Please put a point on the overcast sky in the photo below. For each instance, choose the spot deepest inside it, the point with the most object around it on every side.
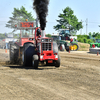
(83, 9)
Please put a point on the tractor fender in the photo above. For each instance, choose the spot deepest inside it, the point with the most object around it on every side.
(28, 43)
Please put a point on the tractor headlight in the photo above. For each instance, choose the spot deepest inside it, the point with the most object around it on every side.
(50, 40)
(42, 40)
(56, 56)
(41, 57)
(46, 40)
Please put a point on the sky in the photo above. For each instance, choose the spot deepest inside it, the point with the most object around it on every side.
(83, 9)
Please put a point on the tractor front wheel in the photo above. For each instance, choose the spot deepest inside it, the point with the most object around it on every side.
(76, 47)
(55, 47)
(57, 62)
(35, 61)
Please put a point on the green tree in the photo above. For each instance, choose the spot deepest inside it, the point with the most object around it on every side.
(48, 35)
(96, 35)
(2, 36)
(18, 16)
(90, 41)
(68, 20)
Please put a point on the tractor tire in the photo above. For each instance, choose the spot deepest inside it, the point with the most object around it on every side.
(55, 47)
(28, 51)
(62, 47)
(57, 62)
(67, 48)
(75, 46)
(16, 56)
(35, 61)
(14, 52)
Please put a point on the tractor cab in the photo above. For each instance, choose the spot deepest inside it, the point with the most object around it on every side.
(64, 34)
(26, 32)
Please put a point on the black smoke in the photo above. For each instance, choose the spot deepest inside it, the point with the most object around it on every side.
(41, 7)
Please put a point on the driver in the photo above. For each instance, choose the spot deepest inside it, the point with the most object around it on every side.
(38, 32)
(26, 35)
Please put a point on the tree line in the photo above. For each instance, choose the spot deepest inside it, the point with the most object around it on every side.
(90, 38)
(65, 20)
(3, 35)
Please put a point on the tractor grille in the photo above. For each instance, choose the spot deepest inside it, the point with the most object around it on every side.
(46, 46)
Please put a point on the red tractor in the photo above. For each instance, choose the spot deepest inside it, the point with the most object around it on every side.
(34, 47)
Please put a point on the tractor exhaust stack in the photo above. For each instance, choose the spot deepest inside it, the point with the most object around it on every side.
(43, 33)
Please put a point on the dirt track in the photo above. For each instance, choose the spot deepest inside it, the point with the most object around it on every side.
(78, 78)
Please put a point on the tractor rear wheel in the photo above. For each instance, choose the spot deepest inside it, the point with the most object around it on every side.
(14, 52)
(35, 61)
(28, 51)
(57, 62)
(67, 48)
